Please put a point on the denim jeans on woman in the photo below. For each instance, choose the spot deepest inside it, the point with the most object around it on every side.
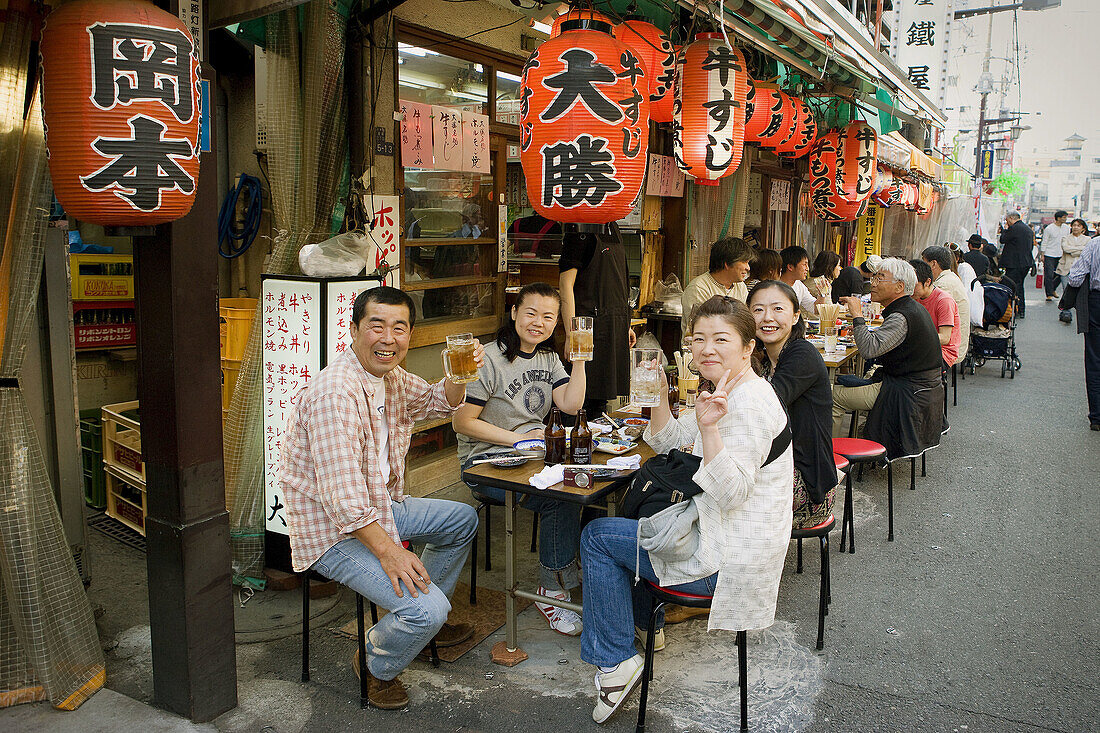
(613, 606)
(446, 528)
(559, 534)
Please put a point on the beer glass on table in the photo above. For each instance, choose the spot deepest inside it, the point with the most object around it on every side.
(646, 377)
(458, 358)
(581, 340)
(830, 339)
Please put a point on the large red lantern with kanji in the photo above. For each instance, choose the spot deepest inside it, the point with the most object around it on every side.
(805, 131)
(584, 125)
(709, 126)
(856, 161)
(827, 203)
(761, 101)
(582, 14)
(781, 123)
(120, 101)
(652, 46)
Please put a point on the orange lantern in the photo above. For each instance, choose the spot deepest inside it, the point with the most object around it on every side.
(120, 99)
(650, 44)
(827, 204)
(708, 132)
(761, 102)
(585, 14)
(584, 125)
(856, 160)
(781, 127)
(805, 131)
(892, 194)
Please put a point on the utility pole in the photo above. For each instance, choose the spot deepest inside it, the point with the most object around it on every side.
(984, 88)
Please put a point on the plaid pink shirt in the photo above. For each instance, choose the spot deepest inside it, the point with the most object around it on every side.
(330, 470)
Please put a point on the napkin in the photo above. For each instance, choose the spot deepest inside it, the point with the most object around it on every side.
(547, 477)
(628, 463)
(598, 428)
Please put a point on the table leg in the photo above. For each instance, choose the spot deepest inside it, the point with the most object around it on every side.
(508, 652)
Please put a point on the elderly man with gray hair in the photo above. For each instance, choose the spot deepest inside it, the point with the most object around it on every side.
(905, 396)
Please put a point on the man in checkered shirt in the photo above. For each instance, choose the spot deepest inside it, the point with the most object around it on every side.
(343, 475)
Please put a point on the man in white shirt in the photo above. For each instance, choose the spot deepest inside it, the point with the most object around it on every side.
(1051, 249)
(729, 266)
(796, 268)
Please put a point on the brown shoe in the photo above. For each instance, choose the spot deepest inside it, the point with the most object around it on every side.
(675, 614)
(382, 694)
(453, 634)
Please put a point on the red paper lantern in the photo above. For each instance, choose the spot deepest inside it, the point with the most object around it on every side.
(584, 126)
(781, 127)
(650, 44)
(120, 100)
(827, 203)
(761, 102)
(893, 194)
(856, 161)
(584, 14)
(805, 131)
(708, 132)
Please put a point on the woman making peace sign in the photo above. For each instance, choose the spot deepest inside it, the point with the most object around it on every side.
(744, 510)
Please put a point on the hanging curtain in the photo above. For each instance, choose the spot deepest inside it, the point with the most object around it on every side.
(49, 649)
(307, 145)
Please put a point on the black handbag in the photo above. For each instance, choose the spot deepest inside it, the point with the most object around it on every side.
(667, 479)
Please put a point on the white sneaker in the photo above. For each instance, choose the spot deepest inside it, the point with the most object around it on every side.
(613, 687)
(561, 620)
(658, 638)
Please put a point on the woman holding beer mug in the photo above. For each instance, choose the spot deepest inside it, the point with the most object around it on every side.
(743, 510)
(521, 380)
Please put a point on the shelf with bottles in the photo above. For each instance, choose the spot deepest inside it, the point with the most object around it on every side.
(108, 324)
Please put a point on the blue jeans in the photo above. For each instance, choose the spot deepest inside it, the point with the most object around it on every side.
(612, 605)
(446, 528)
(559, 535)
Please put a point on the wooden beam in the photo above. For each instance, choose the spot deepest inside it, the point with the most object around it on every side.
(227, 12)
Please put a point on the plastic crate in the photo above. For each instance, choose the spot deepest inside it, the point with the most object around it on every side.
(102, 277)
(122, 440)
(91, 450)
(231, 369)
(126, 500)
(104, 324)
(236, 316)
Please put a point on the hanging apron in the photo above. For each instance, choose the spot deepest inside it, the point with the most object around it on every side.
(601, 291)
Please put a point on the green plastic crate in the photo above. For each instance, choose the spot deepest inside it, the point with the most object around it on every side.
(91, 449)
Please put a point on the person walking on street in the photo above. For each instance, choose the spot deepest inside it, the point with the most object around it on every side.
(1050, 247)
(1016, 259)
(1072, 247)
(975, 256)
(1085, 274)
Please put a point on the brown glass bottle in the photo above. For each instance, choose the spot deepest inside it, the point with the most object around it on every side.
(580, 441)
(673, 392)
(555, 439)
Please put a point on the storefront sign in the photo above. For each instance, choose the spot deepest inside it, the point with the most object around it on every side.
(664, 177)
(190, 12)
(921, 42)
(985, 168)
(780, 198)
(385, 234)
(447, 134)
(869, 234)
(502, 238)
(475, 142)
(416, 135)
(708, 128)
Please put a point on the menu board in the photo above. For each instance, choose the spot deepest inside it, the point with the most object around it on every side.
(755, 201)
(447, 131)
(664, 177)
(475, 142)
(385, 235)
(416, 135)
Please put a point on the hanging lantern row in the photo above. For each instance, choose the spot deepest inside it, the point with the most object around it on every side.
(779, 122)
(120, 101)
(584, 124)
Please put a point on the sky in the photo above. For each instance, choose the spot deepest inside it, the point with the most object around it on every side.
(1059, 62)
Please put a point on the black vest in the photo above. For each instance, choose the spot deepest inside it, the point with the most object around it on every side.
(920, 351)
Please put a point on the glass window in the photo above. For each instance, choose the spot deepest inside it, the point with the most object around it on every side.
(508, 97)
(448, 204)
(427, 76)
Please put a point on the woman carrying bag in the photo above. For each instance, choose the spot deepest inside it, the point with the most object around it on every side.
(1072, 247)
(731, 537)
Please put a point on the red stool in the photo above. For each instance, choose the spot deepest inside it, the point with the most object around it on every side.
(660, 597)
(860, 451)
(825, 597)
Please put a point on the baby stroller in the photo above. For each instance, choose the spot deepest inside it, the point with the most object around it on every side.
(997, 338)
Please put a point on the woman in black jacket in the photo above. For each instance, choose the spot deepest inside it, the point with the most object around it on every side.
(798, 374)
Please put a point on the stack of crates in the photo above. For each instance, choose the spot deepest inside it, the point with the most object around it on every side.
(91, 450)
(236, 316)
(124, 465)
(103, 301)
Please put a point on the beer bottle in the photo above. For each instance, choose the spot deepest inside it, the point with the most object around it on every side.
(673, 391)
(555, 439)
(580, 441)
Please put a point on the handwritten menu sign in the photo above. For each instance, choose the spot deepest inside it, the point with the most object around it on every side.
(475, 157)
(780, 196)
(385, 234)
(339, 298)
(664, 177)
(291, 332)
(416, 135)
(502, 238)
(447, 132)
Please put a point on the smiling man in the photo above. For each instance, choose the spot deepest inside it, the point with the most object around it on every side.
(729, 266)
(343, 474)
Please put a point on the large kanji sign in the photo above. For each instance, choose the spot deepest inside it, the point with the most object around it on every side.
(584, 125)
(121, 105)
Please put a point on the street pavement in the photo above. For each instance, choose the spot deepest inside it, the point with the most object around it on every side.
(980, 616)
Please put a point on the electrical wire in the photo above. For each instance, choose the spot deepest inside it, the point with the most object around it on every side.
(227, 235)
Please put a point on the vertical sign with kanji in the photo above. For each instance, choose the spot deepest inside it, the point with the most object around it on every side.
(920, 44)
(447, 134)
(190, 12)
(416, 135)
(869, 233)
(339, 298)
(384, 232)
(291, 316)
(475, 144)
(502, 238)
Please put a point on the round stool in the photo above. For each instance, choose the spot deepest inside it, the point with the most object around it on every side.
(860, 451)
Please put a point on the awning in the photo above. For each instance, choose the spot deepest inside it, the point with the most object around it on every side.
(918, 161)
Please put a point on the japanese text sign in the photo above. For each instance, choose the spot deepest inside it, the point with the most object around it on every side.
(664, 177)
(416, 135)
(869, 234)
(475, 142)
(384, 231)
(447, 138)
(921, 41)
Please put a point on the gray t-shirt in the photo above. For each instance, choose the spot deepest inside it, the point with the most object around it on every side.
(514, 395)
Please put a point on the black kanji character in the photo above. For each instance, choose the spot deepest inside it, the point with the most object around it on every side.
(919, 76)
(632, 106)
(132, 62)
(635, 135)
(578, 171)
(142, 165)
(921, 33)
(716, 145)
(276, 505)
(631, 68)
(721, 109)
(724, 61)
(578, 82)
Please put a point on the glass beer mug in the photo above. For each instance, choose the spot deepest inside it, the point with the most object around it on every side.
(458, 358)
